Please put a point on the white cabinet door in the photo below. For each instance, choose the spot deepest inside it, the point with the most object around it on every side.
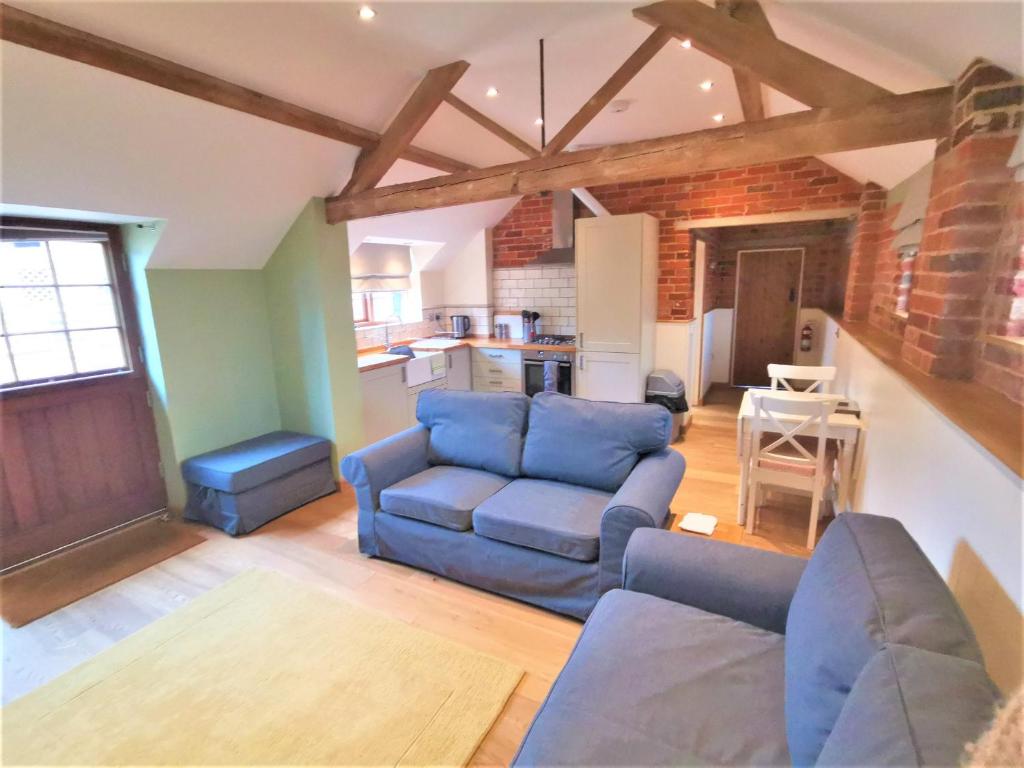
(460, 369)
(384, 402)
(609, 376)
(413, 398)
(609, 261)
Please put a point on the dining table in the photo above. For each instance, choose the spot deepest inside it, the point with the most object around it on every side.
(844, 426)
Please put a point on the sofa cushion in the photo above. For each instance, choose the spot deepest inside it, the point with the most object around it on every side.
(442, 495)
(652, 682)
(552, 517)
(254, 462)
(911, 707)
(868, 584)
(591, 443)
(483, 430)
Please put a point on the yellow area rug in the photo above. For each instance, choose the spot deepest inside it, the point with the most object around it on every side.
(265, 670)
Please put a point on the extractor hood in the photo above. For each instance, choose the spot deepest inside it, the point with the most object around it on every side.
(563, 222)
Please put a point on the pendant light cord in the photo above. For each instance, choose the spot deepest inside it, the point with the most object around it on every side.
(543, 121)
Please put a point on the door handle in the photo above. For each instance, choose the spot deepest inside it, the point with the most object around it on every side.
(792, 295)
(403, 374)
(581, 339)
(449, 360)
(581, 362)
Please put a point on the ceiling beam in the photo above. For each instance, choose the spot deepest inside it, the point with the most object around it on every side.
(403, 129)
(636, 61)
(893, 119)
(27, 29)
(784, 67)
(747, 86)
(498, 130)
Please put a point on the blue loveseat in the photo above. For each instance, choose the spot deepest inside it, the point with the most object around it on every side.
(533, 499)
(714, 654)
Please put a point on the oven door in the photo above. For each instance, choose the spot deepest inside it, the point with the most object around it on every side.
(533, 377)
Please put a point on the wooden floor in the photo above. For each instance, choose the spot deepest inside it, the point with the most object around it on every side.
(318, 544)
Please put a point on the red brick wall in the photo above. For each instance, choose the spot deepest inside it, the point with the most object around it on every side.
(860, 279)
(887, 275)
(795, 185)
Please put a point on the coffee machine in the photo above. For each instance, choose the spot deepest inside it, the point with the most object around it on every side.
(460, 326)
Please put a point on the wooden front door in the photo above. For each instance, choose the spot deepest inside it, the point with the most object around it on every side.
(767, 305)
(77, 431)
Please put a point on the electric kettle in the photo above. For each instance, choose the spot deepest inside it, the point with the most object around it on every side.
(460, 326)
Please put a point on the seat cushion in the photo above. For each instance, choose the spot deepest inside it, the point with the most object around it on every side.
(911, 707)
(652, 682)
(254, 462)
(552, 517)
(867, 585)
(591, 443)
(442, 495)
(482, 430)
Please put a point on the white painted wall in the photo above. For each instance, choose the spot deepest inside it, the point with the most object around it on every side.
(918, 467)
(720, 336)
(467, 277)
(672, 349)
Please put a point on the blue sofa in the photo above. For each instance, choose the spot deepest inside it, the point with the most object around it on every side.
(714, 654)
(533, 499)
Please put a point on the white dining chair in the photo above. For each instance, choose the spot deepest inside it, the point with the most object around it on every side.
(819, 375)
(780, 459)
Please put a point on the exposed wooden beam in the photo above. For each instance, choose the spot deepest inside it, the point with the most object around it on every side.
(497, 129)
(636, 61)
(27, 29)
(403, 129)
(881, 122)
(784, 67)
(747, 86)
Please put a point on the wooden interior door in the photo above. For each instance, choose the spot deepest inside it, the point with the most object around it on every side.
(767, 306)
(80, 451)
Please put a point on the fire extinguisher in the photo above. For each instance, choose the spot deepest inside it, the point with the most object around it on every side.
(806, 337)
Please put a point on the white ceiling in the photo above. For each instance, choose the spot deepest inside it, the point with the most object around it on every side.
(229, 184)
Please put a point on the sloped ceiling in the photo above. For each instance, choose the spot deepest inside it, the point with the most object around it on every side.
(229, 185)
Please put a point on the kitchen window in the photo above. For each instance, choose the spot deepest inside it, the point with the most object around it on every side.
(60, 313)
(378, 307)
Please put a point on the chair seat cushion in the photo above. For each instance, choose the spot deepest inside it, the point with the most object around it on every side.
(653, 682)
(442, 495)
(541, 514)
(254, 462)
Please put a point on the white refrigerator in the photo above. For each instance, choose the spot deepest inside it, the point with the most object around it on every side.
(616, 305)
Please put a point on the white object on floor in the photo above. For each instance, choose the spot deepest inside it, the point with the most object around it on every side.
(695, 522)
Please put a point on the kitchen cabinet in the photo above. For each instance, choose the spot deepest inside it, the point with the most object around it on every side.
(413, 397)
(609, 376)
(385, 402)
(497, 370)
(617, 303)
(460, 369)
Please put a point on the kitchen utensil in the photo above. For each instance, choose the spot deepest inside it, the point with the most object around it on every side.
(460, 326)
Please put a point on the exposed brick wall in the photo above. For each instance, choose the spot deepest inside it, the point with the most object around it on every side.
(824, 244)
(887, 274)
(970, 199)
(860, 278)
(795, 185)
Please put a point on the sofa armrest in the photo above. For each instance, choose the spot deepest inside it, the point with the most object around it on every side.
(642, 502)
(372, 469)
(745, 584)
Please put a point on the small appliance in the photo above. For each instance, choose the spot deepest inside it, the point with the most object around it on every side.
(460, 326)
(560, 367)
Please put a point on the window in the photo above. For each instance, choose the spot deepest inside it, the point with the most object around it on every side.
(906, 279)
(378, 307)
(60, 317)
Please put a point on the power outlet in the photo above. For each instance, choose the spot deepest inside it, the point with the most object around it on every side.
(437, 317)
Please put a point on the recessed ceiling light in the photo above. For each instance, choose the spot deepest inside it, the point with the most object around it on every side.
(707, 85)
(492, 92)
(366, 13)
(718, 118)
(538, 121)
(686, 43)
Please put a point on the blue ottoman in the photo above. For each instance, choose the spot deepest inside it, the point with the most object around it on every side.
(243, 486)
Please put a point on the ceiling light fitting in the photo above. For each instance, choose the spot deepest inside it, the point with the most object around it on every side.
(366, 13)
(707, 85)
(492, 92)
(686, 43)
(718, 118)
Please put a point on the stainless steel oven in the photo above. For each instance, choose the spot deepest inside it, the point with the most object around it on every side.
(533, 371)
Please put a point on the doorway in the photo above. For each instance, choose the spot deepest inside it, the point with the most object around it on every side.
(768, 294)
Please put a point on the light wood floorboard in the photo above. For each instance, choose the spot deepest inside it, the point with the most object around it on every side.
(317, 544)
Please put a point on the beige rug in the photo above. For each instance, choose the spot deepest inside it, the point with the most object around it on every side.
(265, 670)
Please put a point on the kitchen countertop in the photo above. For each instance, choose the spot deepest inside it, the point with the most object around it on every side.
(375, 357)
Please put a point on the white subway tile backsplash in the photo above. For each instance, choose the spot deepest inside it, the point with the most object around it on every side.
(549, 289)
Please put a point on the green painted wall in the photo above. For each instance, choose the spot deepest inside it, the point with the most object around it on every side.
(310, 310)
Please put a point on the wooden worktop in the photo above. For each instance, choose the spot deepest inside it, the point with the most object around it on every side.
(372, 358)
